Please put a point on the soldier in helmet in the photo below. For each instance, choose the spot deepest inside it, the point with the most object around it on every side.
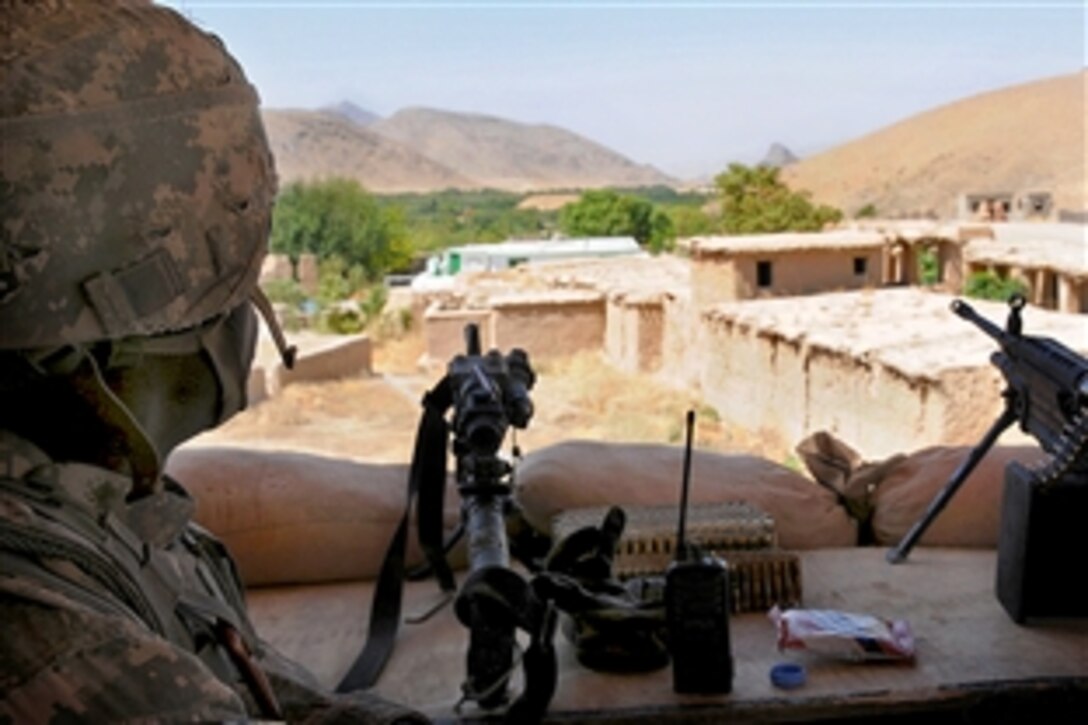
(136, 184)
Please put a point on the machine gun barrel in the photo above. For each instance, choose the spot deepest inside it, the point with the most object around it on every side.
(472, 339)
(968, 313)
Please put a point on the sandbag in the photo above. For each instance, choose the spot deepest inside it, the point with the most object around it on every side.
(581, 474)
(971, 519)
(299, 518)
(888, 496)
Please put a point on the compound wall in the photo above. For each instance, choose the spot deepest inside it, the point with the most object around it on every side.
(549, 325)
(634, 332)
(889, 373)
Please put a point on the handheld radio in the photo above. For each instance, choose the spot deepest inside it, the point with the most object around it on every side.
(697, 608)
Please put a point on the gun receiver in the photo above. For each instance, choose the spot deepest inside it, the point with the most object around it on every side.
(1047, 382)
(1046, 393)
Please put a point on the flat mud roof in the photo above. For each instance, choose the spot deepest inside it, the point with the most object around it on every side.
(910, 330)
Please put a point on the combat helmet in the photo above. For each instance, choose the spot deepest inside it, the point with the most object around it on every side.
(136, 181)
(136, 184)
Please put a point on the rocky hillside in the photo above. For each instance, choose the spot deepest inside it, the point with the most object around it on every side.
(310, 145)
(358, 116)
(778, 156)
(428, 150)
(509, 155)
(1023, 138)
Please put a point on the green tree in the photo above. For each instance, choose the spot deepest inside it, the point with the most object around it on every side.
(442, 219)
(756, 201)
(991, 286)
(690, 221)
(604, 213)
(338, 218)
(929, 272)
(336, 280)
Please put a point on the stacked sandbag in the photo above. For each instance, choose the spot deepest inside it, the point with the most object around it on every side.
(299, 518)
(587, 474)
(888, 496)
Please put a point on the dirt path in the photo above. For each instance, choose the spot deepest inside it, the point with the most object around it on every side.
(375, 418)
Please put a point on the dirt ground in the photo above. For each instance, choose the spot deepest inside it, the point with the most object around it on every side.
(374, 418)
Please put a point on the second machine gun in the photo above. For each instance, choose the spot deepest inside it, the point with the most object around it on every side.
(1043, 507)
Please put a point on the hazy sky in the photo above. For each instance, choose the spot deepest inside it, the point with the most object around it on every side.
(686, 86)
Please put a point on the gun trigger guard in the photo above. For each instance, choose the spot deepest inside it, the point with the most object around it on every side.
(440, 601)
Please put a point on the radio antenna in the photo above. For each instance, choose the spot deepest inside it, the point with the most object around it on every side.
(681, 544)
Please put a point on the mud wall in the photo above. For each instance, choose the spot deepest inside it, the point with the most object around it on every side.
(805, 272)
(788, 388)
(952, 264)
(713, 280)
(549, 326)
(338, 357)
(682, 348)
(634, 330)
(728, 277)
(444, 331)
(755, 381)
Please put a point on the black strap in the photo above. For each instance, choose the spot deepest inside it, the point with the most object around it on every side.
(429, 459)
(427, 478)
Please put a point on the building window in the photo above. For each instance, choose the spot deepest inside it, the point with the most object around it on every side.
(763, 274)
(861, 266)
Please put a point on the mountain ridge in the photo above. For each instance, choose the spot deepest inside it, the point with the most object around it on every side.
(356, 114)
(514, 155)
(312, 145)
(423, 149)
(1025, 137)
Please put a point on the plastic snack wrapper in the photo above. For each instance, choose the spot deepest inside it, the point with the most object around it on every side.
(858, 637)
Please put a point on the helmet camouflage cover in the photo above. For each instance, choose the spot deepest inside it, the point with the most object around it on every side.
(136, 179)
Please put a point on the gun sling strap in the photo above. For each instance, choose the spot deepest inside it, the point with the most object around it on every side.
(427, 481)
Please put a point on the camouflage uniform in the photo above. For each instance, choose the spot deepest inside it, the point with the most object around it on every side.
(136, 186)
(114, 611)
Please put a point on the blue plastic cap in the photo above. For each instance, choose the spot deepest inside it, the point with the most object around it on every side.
(788, 675)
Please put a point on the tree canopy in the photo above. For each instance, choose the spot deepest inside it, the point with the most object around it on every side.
(338, 218)
(605, 213)
(441, 219)
(756, 201)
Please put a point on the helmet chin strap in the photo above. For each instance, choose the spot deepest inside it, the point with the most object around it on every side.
(227, 344)
(230, 345)
(287, 352)
(134, 444)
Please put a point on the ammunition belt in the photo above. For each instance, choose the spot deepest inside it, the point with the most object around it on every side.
(761, 575)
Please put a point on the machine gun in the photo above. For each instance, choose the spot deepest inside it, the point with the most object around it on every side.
(488, 393)
(1047, 394)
